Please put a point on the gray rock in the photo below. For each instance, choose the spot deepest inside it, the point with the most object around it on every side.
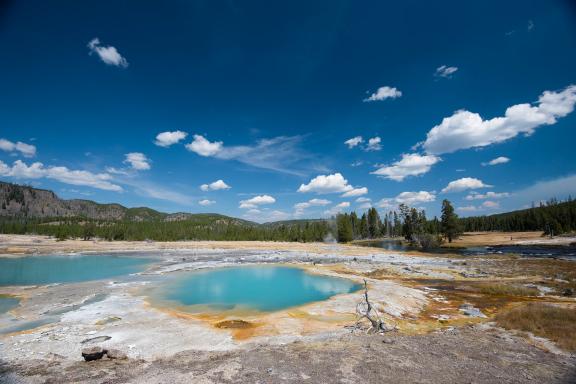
(116, 354)
(470, 310)
(93, 353)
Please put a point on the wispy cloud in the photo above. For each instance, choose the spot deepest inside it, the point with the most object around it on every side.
(281, 153)
(445, 71)
(26, 150)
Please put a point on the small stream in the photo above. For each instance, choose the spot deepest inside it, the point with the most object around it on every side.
(567, 252)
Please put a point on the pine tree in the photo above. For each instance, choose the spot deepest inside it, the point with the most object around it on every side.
(449, 224)
(373, 223)
(344, 228)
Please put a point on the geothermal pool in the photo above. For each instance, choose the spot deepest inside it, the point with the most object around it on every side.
(35, 270)
(260, 288)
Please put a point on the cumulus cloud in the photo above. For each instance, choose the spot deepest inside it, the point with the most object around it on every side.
(338, 208)
(108, 54)
(204, 147)
(487, 195)
(335, 183)
(415, 197)
(299, 208)
(206, 202)
(496, 161)
(491, 204)
(409, 198)
(37, 170)
(166, 139)
(137, 161)
(466, 129)
(464, 184)
(374, 144)
(445, 71)
(254, 202)
(353, 142)
(266, 215)
(215, 186)
(27, 150)
(281, 153)
(484, 206)
(412, 164)
(356, 192)
(384, 93)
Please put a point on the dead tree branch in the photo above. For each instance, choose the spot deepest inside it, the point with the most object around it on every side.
(365, 310)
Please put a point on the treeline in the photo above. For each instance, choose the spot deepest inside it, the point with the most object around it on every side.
(79, 228)
(552, 217)
(408, 222)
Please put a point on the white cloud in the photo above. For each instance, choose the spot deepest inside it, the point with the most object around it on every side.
(166, 139)
(108, 54)
(27, 150)
(203, 147)
(299, 208)
(384, 93)
(281, 153)
(374, 144)
(312, 203)
(412, 164)
(137, 161)
(266, 216)
(445, 71)
(21, 170)
(335, 183)
(487, 195)
(363, 200)
(468, 208)
(559, 188)
(465, 129)
(215, 186)
(491, 204)
(485, 205)
(464, 184)
(496, 161)
(408, 198)
(256, 201)
(337, 208)
(415, 197)
(356, 192)
(367, 205)
(206, 202)
(353, 142)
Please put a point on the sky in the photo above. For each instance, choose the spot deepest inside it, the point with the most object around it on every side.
(287, 110)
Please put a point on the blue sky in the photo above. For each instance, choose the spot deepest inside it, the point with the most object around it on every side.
(263, 104)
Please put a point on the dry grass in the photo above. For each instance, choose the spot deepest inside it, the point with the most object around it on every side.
(508, 290)
(552, 322)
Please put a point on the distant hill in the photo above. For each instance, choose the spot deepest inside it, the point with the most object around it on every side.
(21, 201)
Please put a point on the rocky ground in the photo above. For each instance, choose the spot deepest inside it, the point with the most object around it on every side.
(465, 355)
(444, 317)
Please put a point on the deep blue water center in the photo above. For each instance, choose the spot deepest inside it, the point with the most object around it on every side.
(34, 270)
(262, 288)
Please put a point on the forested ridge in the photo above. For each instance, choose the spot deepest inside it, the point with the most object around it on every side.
(27, 210)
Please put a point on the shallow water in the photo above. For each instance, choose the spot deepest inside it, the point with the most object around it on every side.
(261, 288)
(551, 251)
(8, 303)
(34, 270)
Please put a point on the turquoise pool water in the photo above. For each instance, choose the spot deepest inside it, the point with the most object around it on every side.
(262, 288)
(33, 270)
